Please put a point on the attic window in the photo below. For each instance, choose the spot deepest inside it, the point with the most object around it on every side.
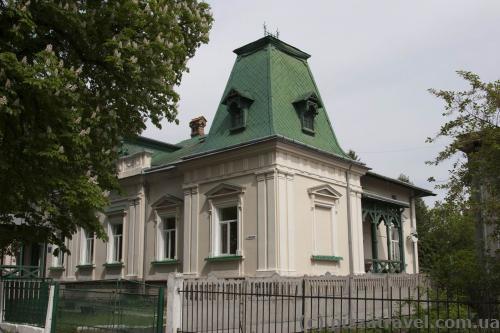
(237, 116)
(308, 118)
(237, 106)
(307, 108)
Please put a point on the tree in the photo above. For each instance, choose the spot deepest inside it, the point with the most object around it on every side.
(75, 78)
(474, 127)
(459, 257)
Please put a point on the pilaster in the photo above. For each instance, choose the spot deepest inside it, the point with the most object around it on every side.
(357, 245)
(190, 253)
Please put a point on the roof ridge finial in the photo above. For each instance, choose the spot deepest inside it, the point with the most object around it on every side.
(268, 33)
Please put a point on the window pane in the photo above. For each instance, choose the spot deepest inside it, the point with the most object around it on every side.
(170, 223)
(120, 250)
(229, 213)
(172, 245)
(118, 229)
(223, 238)
(233, 240)
(308, 121)
(166, 244)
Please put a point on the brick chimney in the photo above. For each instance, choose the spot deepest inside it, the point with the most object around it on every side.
(198, 126)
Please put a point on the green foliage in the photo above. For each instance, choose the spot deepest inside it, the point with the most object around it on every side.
(75, 78)
(453, 239)
(474, 126)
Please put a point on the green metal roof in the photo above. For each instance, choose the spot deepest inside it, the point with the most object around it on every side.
(273, 75)
(140, 144)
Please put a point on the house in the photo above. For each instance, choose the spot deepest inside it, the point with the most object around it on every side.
(267, 191)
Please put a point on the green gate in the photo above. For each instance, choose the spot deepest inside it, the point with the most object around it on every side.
(124, 306)
(25, 301)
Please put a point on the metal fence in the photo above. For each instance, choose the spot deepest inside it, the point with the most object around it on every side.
(122, 306)
(322, 304)
(25, 301)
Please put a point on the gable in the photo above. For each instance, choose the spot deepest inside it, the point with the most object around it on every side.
(224, 190)
(166, 201)
(326, 191)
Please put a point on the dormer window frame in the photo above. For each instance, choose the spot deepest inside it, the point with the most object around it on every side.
(237, 104)
(307, 107)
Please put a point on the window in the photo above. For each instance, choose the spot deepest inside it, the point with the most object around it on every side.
(308, 117)
(237, 116)
(238, 104)
(168, 236)
(307, 109)
(226, 204)
(228, 224)
(395, 243)
(324, 203)
(57, 260)
(308, 121)
(323, 225)
(87, 248)
(116, 242)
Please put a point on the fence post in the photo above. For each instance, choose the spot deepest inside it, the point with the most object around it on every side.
(174, 303)
(50, 319)
(303, 299)
(2, 300)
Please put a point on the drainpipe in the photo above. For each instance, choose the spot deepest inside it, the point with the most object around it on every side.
(349, 227)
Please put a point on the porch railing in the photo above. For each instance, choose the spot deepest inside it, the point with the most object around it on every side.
(384, 266)
(17, 272)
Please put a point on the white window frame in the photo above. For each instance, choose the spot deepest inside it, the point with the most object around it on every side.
(216, 232)
(57, 261)
(228, 232)
(325, 196)
(161, 240)
(223, 196)
(333, 236)
(394, 242)
(111, 257)
(85, 239)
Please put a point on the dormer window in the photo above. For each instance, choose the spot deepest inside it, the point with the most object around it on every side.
(237, 116)
(307, 108)
(237, 104)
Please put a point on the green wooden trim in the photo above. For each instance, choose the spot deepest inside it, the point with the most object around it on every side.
(326, 258)
(224, 258)
(85, 266)
(374, 240)
(57, 268)
(165, 262)
(402, 250)
(113, 264)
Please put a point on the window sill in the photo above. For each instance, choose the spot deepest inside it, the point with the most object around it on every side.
(85, 266)
(224, 258)
(56, 268)
(165, 262)
(237, 128)
(326, 258)
(113, 264)
(308, 131)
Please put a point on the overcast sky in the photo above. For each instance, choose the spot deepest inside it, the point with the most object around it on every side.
(373, 62)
